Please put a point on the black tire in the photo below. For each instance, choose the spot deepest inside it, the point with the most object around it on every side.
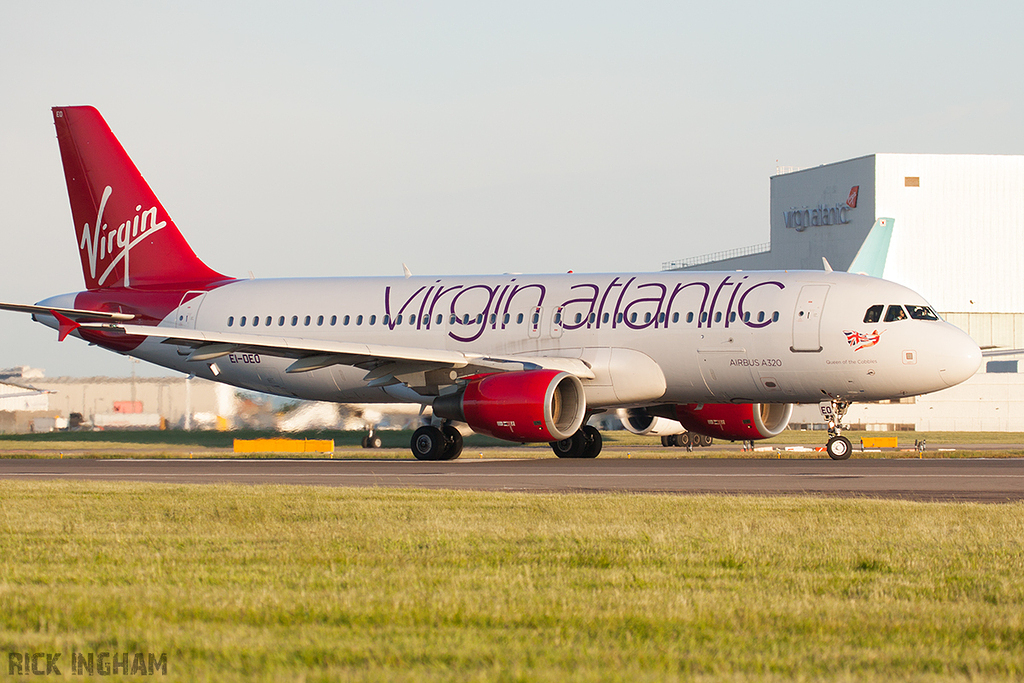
(373, 442)
(705, 440)
(839, 448)
(683, 440)
(572, 447)
(365, 442)
(592, 447)
(453, 443)
(668, 441)
(428, 443)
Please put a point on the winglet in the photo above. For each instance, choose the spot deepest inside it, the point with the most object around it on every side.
(870, 260)
(826, 264)
(66, 325)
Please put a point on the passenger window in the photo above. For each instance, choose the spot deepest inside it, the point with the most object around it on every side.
(334, 320)
(579, 318)
(675, 317)
(440, 318)
(558, 318)
(280, 321)
(359, 320)
(604, 318)
(344, 321)
(536, 318)
(732, 317)
(295, 320)
(703, 317)
(412, 319)
(255, 321)
(775, 317)
(306, 321)
(921, 313)
(618, 319)
(718, 317)
(760, 317)
(632, 317)
(320, 320)
(465, 319)
(373, 320)
(519, 319)
(241, 323)
(895, 313)
(479, 318)
(270, 320)
(592, 318)
(647, 317)
(689, 317)
(746, 317)
(504, 321)
(874, 314)
(452, 320)
(231, 320)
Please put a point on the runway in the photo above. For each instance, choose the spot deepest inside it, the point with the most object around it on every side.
(979, 480)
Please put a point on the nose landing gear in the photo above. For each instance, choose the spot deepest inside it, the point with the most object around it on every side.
(838, 446)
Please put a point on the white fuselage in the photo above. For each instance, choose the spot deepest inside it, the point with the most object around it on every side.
(681, 337)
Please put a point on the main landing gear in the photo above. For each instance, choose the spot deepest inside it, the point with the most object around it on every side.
(585, 443)
(437, 443)
(838, 446)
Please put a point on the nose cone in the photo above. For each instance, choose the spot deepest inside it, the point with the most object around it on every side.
(959, 358)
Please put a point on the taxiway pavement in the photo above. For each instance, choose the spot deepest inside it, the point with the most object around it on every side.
(976, 479)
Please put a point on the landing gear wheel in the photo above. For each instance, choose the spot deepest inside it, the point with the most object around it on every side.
(372, 441)
(428, 443)
(572, 447)
(593, 441)
(684, 440)
(705, 440)
(668, 441)
(839, 448)
(453, 442)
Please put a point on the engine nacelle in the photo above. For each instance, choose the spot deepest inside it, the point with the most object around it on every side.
(527, 406)
(640, 421)
(736, 422)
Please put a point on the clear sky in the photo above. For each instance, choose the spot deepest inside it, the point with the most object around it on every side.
(340, 138)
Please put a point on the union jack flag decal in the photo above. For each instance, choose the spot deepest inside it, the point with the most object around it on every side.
(862, 341)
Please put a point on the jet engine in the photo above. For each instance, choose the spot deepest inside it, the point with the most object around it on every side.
(736, 422)
(527, 406)
(640, 421)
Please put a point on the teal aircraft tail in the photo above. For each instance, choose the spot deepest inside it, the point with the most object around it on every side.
(870, 260)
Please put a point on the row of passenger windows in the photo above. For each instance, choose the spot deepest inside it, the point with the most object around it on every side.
(282, 321)
(895, 312)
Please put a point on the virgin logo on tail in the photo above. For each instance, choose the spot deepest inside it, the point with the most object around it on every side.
(851, 201)
(103, 243)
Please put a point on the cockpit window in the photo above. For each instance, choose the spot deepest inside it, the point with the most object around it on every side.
(921, 313)
(874, 314)
(895, 313)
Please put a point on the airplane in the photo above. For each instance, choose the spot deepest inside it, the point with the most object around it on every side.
(525, 358)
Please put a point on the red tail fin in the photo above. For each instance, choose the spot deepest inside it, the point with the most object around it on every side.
(125, 237)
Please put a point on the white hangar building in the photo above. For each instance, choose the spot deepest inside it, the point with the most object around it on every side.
(957, 239)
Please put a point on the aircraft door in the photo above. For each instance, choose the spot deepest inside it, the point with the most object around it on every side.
(534, 330)
(185, 316)
(807, 319)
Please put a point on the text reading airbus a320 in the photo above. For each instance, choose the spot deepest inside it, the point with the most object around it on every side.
(527, 358)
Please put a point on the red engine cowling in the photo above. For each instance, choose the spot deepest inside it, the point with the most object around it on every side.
(736, 422)
(528, 406)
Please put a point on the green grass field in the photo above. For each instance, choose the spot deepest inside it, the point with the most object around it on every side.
(305, 584)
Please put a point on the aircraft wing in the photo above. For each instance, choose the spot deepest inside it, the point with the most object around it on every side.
(385, 365)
